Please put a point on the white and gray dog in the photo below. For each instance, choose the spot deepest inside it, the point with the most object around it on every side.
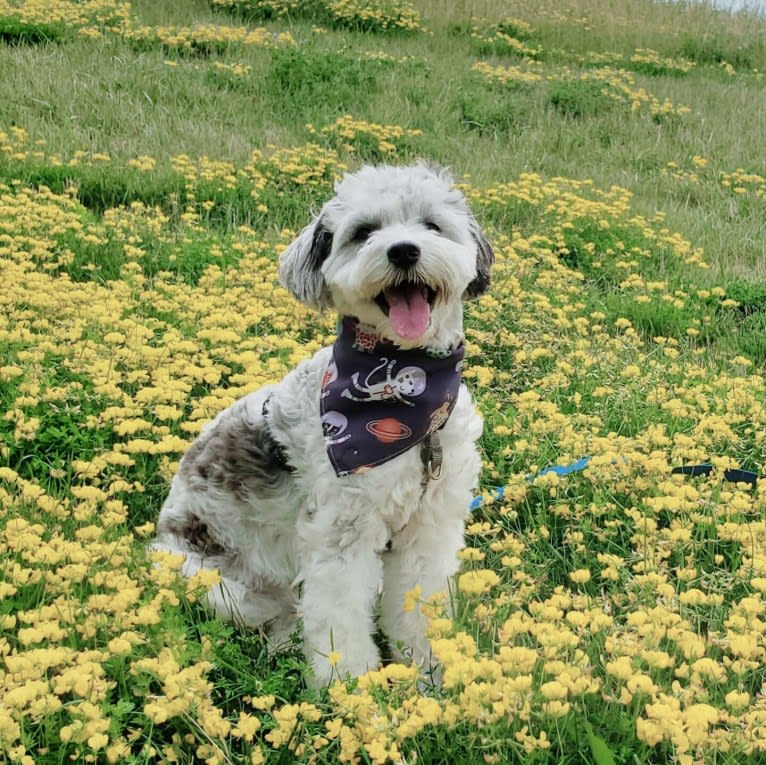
(348, 481)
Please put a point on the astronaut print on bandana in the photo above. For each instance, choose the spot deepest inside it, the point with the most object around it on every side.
(379, 400)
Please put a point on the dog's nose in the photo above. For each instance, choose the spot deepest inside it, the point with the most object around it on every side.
(403, 254)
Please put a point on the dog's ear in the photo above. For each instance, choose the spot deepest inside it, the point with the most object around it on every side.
(300, 265)
(485, 257)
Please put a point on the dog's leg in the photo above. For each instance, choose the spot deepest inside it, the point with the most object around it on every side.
(268, 608)
(424, 554)
(341, 573)
(256, 605)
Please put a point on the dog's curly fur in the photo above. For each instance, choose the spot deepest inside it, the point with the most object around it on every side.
(256, 495)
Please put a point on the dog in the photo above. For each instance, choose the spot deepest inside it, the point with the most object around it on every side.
(350, 480)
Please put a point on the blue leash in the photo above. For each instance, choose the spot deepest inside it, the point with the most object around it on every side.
(734, 475)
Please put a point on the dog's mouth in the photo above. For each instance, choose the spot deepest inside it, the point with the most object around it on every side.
(408, 306)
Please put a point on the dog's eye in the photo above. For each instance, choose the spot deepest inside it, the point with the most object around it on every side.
(362, 234)
(431, 226)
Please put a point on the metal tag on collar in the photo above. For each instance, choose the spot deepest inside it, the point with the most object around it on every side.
(431, 455)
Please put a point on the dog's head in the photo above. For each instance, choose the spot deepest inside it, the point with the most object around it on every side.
(398, 248)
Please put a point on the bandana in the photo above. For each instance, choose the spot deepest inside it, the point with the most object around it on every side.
(379, 400)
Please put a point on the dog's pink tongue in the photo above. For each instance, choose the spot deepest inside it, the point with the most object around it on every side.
(408, 311)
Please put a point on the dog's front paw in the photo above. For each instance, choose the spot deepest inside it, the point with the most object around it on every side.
(336, 666)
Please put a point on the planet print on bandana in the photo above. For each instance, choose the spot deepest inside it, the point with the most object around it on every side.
(379, 400)
(388, 430)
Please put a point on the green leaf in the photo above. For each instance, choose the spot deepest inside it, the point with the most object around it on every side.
(602, 754)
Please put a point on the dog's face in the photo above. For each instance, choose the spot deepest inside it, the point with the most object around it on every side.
(397, 247)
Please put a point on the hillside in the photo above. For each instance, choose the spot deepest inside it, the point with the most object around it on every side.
(155, 159)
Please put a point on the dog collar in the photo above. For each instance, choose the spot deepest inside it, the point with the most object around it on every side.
(379, 400)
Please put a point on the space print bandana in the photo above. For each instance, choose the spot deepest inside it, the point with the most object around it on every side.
(379, 400)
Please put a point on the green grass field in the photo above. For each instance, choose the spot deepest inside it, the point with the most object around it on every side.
(155, 158)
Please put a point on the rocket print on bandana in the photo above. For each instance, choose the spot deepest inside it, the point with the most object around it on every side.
(378, 400)
(330, 375)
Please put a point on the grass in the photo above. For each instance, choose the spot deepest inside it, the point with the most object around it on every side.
(154, 160)
(149, 104)
(298, 82)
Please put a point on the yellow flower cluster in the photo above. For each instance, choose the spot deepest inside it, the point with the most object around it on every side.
(94, 18)
(381, 55)
(512, 36)
(644, 60)
(236, 70)
(377, 15)
(362, 15)
(207, 184)
(649, 60)
(527, 74)
(742, 182)
(658, 616)
(207, 37)
(350, 134)
(90, 17)
(622, 87)
(509, 36)
(93, 606)
(675, 172)
(500, 41)
(618, 84)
